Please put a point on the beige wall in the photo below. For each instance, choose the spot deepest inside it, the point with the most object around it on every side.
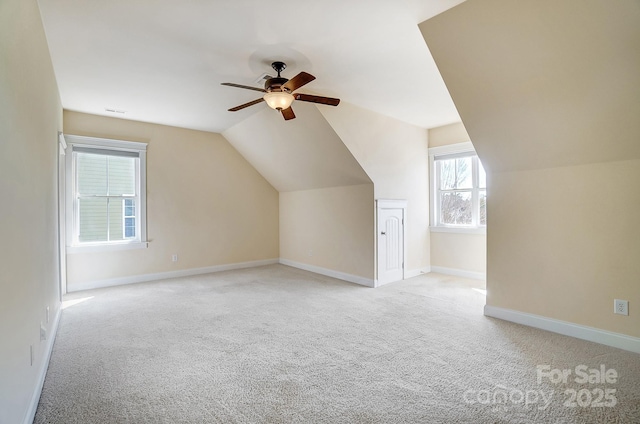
(395, 156)
(30, 117)
(459, 252)
(205, 203)
(565, 242)
(456, 251)
(332, 228)
(553, 115)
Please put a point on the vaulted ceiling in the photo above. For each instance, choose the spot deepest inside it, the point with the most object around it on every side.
(163, 61)
(543, 84)
(299, 154)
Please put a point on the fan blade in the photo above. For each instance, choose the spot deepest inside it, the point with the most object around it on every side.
(255, 102)
(317, 99)
(288, 113)
(230, 84)
(298, 81)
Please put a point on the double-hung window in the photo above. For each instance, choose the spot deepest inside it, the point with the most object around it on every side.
(459, 189)
(106, 194)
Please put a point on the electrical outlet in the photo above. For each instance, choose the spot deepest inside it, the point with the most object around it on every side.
(174, 257)
(621, 307)
(47, 315)
(43, 332)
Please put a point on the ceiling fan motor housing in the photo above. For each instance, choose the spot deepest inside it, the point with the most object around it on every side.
(275, 84)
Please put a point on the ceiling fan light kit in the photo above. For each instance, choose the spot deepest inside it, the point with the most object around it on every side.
(278, 100)
(279, 92)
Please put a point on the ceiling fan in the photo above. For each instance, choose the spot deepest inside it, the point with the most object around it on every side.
(279, 92)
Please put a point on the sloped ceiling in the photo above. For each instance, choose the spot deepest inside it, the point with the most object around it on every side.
(163, 61)
(300, 154)
(543, 83)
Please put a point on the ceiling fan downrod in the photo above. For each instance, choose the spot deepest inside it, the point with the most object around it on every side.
(279, 67)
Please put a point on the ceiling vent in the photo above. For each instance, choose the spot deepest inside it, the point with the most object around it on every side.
(262, 78)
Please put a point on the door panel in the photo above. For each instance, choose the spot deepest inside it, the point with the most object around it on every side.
(390, 245)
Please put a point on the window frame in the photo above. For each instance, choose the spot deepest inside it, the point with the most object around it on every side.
(72, 221)
(453, 151)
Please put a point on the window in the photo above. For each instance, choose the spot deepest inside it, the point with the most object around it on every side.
(459, 189)
(106, 194)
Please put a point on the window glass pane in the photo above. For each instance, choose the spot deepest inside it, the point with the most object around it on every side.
(464, 177)
(122, 175)
(482, 176)
(447, 174)
(116, 220)
(483, 207)
(456, 173)
(92, 219)
(129, 227)
(92, 174)
(129, 232)
(456, 208)
(129, 207)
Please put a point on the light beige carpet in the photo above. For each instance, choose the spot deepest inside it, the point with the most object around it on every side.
(279, 345)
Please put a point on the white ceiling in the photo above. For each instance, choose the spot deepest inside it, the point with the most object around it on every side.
(162, 61)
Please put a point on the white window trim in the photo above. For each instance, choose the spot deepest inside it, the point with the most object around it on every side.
(458, 230)
(451, 149)
(141, 182)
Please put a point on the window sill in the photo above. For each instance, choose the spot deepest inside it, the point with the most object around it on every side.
(459, 230)
(106, 247)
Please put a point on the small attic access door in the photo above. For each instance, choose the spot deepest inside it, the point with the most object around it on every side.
(390, 240)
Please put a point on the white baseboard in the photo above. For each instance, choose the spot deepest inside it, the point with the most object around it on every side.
(459, 272)
(591, 334)
(88, 285)
(329, 272)
(415, 272)
(42, 372)
(407, 274)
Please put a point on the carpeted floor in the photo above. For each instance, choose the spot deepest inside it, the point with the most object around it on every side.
(279, 345)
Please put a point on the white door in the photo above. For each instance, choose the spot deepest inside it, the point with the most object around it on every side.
(390, 244)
